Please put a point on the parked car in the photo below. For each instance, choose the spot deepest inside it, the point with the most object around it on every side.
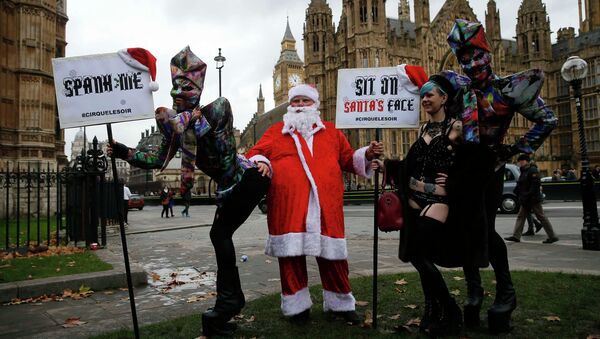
(136, 201)
(262, 205)
(510, 201)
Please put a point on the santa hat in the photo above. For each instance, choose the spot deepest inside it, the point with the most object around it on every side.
(411, 77)
(308, 91)
(466, 34)
(143, 60)
(186, 64)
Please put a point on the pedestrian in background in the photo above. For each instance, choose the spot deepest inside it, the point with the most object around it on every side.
(126, 197)
(187, 197)
(528, 191)
(171, 202)
(164, 201)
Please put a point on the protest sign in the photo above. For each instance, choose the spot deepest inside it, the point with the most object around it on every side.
(99, 89)
(376, 98)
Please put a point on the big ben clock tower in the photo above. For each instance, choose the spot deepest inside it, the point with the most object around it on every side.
(289, 70)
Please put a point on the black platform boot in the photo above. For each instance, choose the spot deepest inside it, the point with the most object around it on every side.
(450, 320)
(431, 314)
(472, 304)
(230, 301)
(504, 303)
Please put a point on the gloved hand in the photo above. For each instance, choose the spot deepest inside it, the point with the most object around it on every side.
(118, 150)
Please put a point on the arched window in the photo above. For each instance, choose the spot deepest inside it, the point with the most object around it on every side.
(374, 11)
(363, 11)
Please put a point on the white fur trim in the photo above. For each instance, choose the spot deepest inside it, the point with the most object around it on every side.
(304, 90)
(338, 302)
(297, 244)
(313, 217)
(261, 158)
(361, 165)
(404, 80)
(296, 303)
(126, 57)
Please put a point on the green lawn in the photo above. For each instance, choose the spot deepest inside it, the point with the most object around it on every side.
(22, 230)
(574, 299)
(24, 268)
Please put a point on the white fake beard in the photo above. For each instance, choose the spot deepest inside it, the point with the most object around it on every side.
(302, 119)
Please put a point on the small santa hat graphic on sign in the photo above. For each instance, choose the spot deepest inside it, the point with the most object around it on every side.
(411, 77)
(141, 59)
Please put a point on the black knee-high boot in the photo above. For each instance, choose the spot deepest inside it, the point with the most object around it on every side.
(230, 301)
(504, 304)
(445, 317)
(472, 304)
(506, 299)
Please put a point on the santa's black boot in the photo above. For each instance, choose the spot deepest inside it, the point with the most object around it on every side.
(472, 304)
(504, 304)
(230, 301)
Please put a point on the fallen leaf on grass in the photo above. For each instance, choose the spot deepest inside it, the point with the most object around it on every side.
(394, 317)
(252, 318)
(415, 322)
(455, 292)
(58, 269)
(458, 278)
(71, 264)
(400, 290)
(529, 320)
(368, 323)
(30, 277)
(268, 261)
(109, 292)
(73, 322)
(593, 336)
(123, 289)
(67, 293)
(274, 279)
(8, 265)
(401, 282)
(201, 337)
(411, 306)
(362, 303)
(551, 318)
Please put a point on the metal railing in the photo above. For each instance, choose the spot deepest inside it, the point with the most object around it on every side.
(40, 205)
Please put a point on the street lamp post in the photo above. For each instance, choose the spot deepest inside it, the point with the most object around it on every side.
(220, 63)
(574, 71)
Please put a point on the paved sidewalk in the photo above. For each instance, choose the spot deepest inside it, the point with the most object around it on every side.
(182, 246)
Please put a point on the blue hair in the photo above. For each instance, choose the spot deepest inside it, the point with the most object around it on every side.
(429, 86)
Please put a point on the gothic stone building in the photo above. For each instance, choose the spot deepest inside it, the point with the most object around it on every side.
(32, 33)
(366, 37)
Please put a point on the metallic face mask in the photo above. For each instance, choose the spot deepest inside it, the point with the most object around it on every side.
(475, 63)
(188, 93)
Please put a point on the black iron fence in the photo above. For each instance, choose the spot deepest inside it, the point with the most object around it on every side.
(50, 206)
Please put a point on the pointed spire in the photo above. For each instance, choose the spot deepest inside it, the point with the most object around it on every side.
(260, 95)
(288, 32)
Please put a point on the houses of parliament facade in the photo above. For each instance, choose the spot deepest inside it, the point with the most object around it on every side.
(366, 37)
(32, 32)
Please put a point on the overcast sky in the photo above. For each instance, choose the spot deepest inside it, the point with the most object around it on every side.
(249, 33)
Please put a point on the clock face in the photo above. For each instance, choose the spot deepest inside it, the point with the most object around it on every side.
(294, 79)
(277, 82)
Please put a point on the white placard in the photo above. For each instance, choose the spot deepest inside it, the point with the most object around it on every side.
(374, 98)
(99, 89)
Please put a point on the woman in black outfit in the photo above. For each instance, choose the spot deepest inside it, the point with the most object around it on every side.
(428, 164)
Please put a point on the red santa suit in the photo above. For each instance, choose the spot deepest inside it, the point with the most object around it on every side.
(305, 210)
